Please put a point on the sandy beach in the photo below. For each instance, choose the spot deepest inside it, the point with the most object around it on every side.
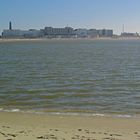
(20, 126)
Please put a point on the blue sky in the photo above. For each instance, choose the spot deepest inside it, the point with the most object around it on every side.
(111, 14)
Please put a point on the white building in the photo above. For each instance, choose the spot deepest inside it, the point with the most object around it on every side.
(92, 33)
(32, 33)
(105, 33)
(81, 33)
(51, 32)
(12, 33)
(21, 33)
(124, 34)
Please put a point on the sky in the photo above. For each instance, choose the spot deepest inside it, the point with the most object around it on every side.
(96, 14)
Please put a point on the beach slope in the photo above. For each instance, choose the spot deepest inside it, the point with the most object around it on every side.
(20, 126)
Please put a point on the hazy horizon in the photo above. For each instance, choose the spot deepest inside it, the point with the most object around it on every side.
(98, 14)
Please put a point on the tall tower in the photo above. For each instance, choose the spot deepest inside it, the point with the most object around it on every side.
(10, 25)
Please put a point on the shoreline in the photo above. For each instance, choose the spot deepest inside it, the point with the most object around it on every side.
(72, 113)
(22, 126)
(2, 40)
(83, 113)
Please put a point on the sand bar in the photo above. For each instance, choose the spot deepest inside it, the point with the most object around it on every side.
(21, 126)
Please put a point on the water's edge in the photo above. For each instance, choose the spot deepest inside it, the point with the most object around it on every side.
(64, 113)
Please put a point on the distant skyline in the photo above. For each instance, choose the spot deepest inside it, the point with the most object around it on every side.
(99, 14)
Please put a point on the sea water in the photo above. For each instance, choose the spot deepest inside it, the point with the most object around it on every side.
(94, 77)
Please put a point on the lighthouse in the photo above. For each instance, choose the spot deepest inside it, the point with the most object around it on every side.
(10, 25)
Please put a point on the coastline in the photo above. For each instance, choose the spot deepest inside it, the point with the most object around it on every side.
(2, 40)
(21, 126)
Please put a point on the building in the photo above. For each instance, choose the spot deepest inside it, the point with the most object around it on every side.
(81, 33)
(124, 34)
(21, 33)
(11, 33)
(32, 33)
(92, 33)
(66, 32)
(51, 32)
(16, 33)
(105, 33)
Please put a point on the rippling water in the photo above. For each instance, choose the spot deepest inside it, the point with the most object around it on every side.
(99, 76)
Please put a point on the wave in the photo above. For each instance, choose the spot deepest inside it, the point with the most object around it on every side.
(71, 113)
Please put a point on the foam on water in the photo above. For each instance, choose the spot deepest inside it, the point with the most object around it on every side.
(70, 113)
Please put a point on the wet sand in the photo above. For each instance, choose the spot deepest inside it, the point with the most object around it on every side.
(20, 126)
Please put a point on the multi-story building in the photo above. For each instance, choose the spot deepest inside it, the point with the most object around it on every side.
(21, 33)
(81, 33)
(124, 34)
(32, 33)
(11, 33)
(16, 33)
(51, 32)
(105, 33)
(92, 33)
